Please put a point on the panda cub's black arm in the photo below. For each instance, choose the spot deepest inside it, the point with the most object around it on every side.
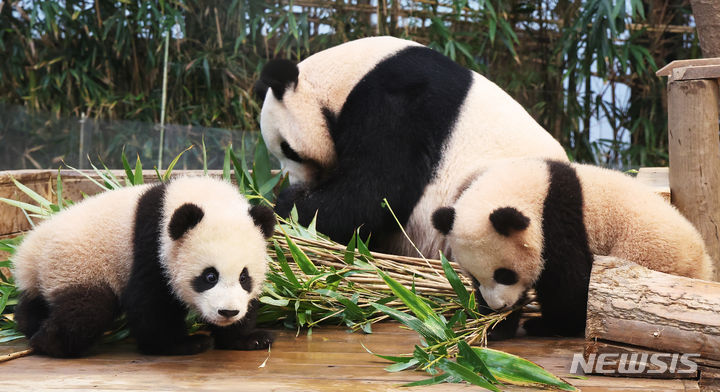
(242, 335)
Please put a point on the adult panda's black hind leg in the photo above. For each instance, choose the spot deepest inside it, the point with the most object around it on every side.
(30, 312)
(76, 319)
(242, 335)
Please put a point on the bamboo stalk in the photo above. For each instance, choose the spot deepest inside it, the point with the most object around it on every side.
(16, 355)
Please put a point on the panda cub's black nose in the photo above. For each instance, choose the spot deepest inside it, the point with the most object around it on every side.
(228, 313)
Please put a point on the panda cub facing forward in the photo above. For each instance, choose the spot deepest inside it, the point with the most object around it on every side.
(536, 223)
(152, 252)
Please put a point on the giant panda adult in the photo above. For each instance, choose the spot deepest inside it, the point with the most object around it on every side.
(388, 118)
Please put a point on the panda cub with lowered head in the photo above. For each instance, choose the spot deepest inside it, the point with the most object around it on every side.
(537, 223)
(152, 252)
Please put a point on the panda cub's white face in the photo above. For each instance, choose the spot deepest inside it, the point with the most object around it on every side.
(214, 252)
(500, 247)
(216, 275)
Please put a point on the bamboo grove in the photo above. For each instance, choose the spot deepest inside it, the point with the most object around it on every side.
(572, 63)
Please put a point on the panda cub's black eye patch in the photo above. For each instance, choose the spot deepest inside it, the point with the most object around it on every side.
(505, 276)
(289, 152)
(245, 280)
(206, 280)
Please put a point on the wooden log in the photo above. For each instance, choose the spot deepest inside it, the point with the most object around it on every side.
(695, 157)
(633, 305)
(709, 379)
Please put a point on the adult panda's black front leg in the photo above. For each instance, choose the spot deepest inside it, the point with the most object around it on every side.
(342, 206)
(242, 335)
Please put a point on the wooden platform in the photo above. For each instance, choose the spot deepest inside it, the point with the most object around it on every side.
(331, 359)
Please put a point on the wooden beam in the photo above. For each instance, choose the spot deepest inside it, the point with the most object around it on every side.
(695, 73)
(695, 157)
(667, 70)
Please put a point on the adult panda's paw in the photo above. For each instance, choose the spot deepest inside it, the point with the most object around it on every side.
(256, 340)
(192, 344)
(287, 199)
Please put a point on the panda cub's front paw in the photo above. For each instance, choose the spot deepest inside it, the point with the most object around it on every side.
(287, 199)
(256, 340)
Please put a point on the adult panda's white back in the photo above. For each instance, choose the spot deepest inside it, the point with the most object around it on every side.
(387, 118)
(477, 142)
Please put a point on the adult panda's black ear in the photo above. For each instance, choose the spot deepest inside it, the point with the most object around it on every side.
(443, 219)
(264, 218)
(276, 75)
(183, 219)
(505, 220)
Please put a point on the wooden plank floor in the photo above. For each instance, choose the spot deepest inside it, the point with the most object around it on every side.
(331, 359)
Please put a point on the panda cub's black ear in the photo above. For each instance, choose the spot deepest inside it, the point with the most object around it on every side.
(264, 218)
(183, 219)
(443, 219)
(505, 220)
(276, 75)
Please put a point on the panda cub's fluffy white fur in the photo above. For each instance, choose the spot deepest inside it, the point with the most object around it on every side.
(536, 223)
(152, 252)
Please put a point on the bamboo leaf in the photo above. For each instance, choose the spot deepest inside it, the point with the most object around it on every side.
(59, 192)
(455, 282)
(274, 302)
(104, 187)
(301, 258)
(429, 381)
(169, 170)
(126, 165)
(413, 322)
(351, 309)
(226, 164)
(468, 355)
(519, 371)
(419, 308)
(465, 373)
(139, 180)
(284, 265)
(42, 201)
(26, 207)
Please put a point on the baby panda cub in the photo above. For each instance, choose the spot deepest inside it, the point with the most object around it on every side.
(153, 252)
(537, 223)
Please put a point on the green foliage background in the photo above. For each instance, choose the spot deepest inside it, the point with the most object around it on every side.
(565, 60)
